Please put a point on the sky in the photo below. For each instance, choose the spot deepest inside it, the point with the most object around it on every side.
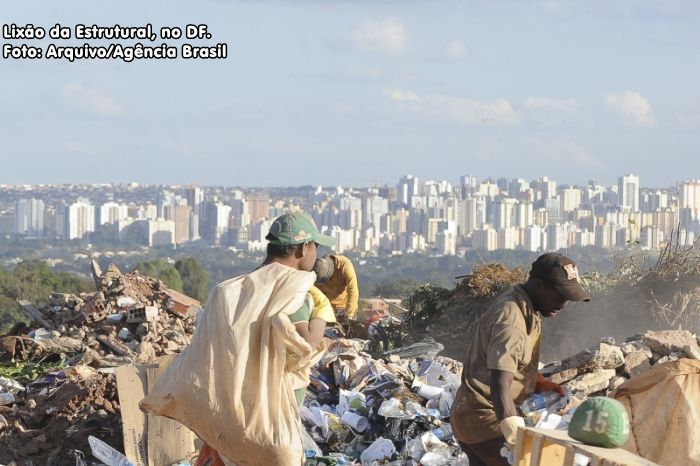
(361, 92)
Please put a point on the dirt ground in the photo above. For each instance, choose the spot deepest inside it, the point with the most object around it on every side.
(61, 422)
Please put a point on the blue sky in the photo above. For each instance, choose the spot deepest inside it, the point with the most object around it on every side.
(362, 92)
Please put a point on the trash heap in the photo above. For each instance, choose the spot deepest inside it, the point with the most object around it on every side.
(390, 410)
(61, 389)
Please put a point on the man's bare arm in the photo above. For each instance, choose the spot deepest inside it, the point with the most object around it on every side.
(312, 331)
(501, 396)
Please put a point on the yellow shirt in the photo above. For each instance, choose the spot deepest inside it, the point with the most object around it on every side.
(507, 338)
(316, 306)
(341, 289)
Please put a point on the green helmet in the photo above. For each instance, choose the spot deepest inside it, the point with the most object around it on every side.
(600, 421)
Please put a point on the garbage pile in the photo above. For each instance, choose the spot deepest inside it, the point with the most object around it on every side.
(395, 409)
(62, 389)
(391, 410)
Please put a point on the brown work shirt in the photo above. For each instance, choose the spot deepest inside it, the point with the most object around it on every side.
(507, 338)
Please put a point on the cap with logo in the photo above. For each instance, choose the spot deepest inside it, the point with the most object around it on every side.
(560, 272)
(296, 228)
(600, 421)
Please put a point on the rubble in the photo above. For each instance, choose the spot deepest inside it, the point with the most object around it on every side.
(636, 363)
(385, 399)
(129, 318)
(666, 342)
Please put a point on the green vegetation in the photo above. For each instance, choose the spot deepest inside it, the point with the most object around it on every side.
(402, 288)
(33, 281)
(161, 270)
(24, 372)
(195, 280)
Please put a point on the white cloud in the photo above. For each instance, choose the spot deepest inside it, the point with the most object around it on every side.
(383, 36)
(92, 100)
(465, 111)
(400, 95)
(632, 106)
(456, 49)
(546, 103)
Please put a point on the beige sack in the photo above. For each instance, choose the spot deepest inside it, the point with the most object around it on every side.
(232, 386)
(664, 409)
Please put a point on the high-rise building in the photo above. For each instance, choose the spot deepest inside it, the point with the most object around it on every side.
(485, 238)
(407, 188)
(258, 205)
(628, 192)
(570, 199)
(181, 216)
(689, 194)
(29, 217)
(110, 212)
(505, 213)
(79, 219)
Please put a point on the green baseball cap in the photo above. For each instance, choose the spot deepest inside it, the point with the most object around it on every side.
(296, 228)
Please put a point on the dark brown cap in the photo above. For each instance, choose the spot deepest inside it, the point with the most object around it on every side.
(561, 273)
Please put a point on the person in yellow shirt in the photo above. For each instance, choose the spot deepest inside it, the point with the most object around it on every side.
(337, 280)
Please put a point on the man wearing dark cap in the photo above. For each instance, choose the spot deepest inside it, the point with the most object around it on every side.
(500, 368)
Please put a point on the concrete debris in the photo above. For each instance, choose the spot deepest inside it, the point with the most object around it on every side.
(129, 316)
(605, 357)
(666, 342)
(636, 363)
(591, 382)
(635, 346)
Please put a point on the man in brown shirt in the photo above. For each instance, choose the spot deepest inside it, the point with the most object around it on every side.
(500, 369)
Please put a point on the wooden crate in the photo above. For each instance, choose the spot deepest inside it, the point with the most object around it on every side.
(544, 447)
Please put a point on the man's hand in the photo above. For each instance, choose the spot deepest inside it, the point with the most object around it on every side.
(542, 385)
(509, 427)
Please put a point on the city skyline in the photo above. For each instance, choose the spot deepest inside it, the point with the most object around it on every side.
(351, 92)
(410, 216)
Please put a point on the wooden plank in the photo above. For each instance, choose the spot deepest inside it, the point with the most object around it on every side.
(519, 447)
(616, 456)
(131, 386)
(569, 456)
(34, 314)
(537, 443)
(115, 345)
(552, 453)
(168, 440)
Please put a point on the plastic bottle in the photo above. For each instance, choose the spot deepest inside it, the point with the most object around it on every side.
(107, 454)
(539, 401)
(444, 432)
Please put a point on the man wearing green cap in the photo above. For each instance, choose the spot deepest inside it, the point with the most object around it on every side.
(292, 242)
(500, 367)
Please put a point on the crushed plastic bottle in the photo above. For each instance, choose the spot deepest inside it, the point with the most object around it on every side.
(107, 454)
(444, 432)
(539, 401)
